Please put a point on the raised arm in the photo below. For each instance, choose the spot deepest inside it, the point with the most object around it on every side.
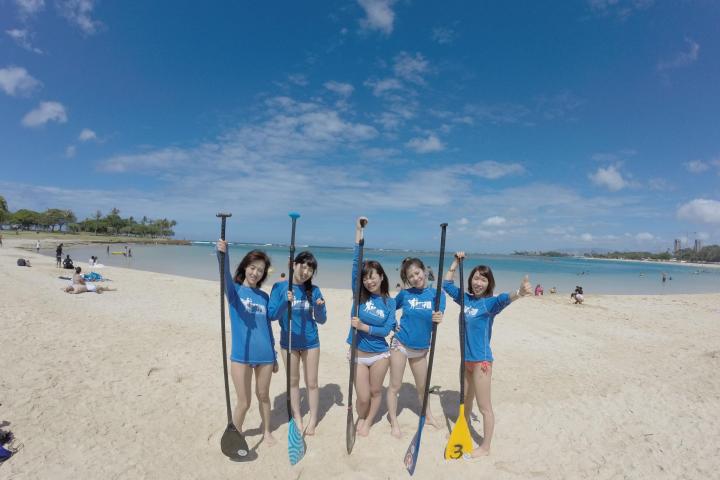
(524, 290)
(453, 266)
(230, 290)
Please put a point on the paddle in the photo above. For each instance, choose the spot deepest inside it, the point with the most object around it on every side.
(296, 444)
(460, 440)
(232, 443)
(411, 455)
(350, 427)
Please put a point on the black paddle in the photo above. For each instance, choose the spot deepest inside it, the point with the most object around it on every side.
(411, 455)
(350, 427)
(232, 443)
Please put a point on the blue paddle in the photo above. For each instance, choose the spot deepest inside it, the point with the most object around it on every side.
(296, 444)
(411, 455)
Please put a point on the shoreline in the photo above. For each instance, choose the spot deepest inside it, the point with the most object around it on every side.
(656, 262)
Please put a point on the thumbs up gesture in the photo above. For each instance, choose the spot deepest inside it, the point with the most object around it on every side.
(525, 287)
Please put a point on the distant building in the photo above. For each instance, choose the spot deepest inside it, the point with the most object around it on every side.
(698, 245)
(678, 246)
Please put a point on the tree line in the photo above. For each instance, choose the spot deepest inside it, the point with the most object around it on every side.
(55, 219)
(710, 253)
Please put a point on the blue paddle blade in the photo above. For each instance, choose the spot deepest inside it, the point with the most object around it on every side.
(411, 455)
(294, 215)
(296, 444)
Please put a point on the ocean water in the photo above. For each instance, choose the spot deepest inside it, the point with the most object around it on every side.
(334, 266)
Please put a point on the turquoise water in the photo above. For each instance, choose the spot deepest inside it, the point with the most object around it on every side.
(595, 276)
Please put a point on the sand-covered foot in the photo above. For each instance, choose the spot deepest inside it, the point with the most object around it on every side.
(269, 439)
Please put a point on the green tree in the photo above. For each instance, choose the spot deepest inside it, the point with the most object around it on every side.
(4, 212)
(25, 218)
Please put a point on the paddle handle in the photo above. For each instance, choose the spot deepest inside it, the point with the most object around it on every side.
(461, 321)
(443, 226)
(356, 312)
(223, 220)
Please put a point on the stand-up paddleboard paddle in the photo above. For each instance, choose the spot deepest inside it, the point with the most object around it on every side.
(411, 455)
(296, 444)
(350, 427)
(232, 443)
(460, 441)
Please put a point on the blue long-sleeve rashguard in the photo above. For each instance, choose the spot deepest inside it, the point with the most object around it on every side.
(377, 312)
(416, 319)
(305, 317)
(479, 317)
(252, 338)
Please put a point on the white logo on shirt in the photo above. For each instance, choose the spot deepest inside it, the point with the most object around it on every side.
(470, 311)
(370, 308)
(417, 304)
(252, 307)
(301, 304)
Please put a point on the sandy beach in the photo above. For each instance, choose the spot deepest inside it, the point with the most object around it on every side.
(128, 384)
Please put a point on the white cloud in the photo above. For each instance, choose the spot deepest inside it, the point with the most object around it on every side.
(382, 86)
(494, 221)
(700, 210)
(492, 170)
(17, 81)
(443, 35)
(24, 39)
(78, 13)
(29, 7)
(45, 112)
(682, 59)
(164, 159)
(463, 221)
(622, 9)
(298, 79)
(609, 177)
(644, 237)
(426, 145)
(379, 15)
(70, 151)
(696, 166)
(586, 237)
(87, 135)
(411, 68)
(342, 89)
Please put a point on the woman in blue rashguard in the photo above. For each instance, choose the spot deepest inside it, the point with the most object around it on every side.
(253, 345)
(412, 338)
(308, 311)
(480, 310)
(375, 321)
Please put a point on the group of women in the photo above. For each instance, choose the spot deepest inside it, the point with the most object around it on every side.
(253, 344)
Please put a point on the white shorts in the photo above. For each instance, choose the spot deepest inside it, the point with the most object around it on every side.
(407, 351)
(90, 287)
(369, 361)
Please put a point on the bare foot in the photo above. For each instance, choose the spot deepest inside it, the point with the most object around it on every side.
(395, 431)
(480, 452)
(433, 421)
(363, 428)
(269, 439)
(299, 423)
(310, 430)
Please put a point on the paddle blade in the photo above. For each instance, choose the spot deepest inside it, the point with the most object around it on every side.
(411, 455)
(233, 444)
(460, 440)
(296, 444)
(350, 432)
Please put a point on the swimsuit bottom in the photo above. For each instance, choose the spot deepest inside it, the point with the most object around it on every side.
(485, 366)
(369, 361)
(407, 351)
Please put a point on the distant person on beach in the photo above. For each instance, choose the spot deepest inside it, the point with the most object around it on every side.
(553, 290)
(481, 307)
(309, 311)
(58, 256)
(664, 277)
(80, 285)
(375, 321)
(283, 277)
(37, 246)
(1, 240)
(539, 290)
(253, 344)
(68, 263)
(23, 262)
(107, 249)
(129, 252)
(577, 295)
(412, 338)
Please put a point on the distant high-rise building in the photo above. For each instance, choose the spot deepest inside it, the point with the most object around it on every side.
(677, 247)
(698, 245)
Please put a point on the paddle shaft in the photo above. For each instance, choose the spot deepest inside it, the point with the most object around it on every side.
(223, 220)
(461, 321)
(289, 306)
(356, 312)
(434, 325)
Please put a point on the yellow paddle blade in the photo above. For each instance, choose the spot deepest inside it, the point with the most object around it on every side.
(460, 440)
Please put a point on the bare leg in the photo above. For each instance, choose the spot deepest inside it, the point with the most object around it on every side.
(362, 390)
(469, 396)
(481, 381)
(397, 369)
(242, 378)
(377, 377)
(263, 374)
(311, 362)
(418, 367)
(294, 385)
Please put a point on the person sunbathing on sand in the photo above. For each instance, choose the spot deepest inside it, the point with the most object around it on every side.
(79, 285)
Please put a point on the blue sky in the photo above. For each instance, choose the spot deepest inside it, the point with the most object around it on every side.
(524, 125)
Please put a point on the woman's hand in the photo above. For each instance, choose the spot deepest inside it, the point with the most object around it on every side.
(357, 324)
(222, 246)
(291, 297)
(525, 287)
(360, 223)
(437, 317)
(459, 255)
(320, 302)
